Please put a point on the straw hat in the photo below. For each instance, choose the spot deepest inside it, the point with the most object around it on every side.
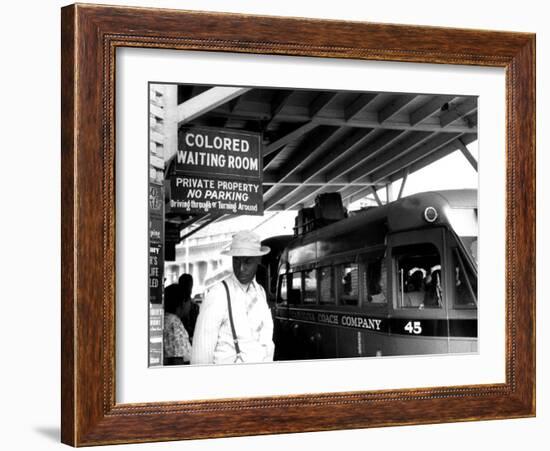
(245, 244)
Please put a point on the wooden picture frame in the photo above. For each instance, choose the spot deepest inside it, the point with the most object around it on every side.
(90, 37)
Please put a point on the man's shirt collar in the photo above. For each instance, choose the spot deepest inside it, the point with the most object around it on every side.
(245, 288)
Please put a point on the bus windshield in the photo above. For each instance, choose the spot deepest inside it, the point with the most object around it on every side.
(464, 221)
(418, 276)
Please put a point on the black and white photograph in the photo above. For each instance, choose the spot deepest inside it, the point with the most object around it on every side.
(301, 224)
(249, 225)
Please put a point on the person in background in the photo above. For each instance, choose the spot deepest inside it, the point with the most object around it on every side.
(190, 308)
(235, 323)
(433, 295)
(176, 344)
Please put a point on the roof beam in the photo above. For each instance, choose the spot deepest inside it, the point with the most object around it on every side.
(311, 149)
(206, 101)
(437, 155)
(291, 199)
(235, 102)
(318, 145)
(352, 193)
(429, 108)
(365, 153)
(282, 193)
(295, 180)
(396, 151)
(416, 154)
(320, 102)
(403, 183)
(294, 134)
(272, 156)
(301, 199)
(358, 138)
(389, 193)
(241, 115)
(458, 111)
(471, 119)
(372, 122)
(467, 154)
(338, 152)
(307, 194)
(356, 107)
(281, 99)
(373, 191)
(368, 120)
(232, 106)
(403, 163)
(395, 106)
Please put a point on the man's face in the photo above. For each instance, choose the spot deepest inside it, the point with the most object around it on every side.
(245, 268)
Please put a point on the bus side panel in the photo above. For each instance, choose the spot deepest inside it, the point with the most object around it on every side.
(282, 336)
(349, 342)
(358, 343)
(328, 342)
(309, 345)
(407, 345)
(281, 332)
(299, 342)
(463, 345)
(374, 344)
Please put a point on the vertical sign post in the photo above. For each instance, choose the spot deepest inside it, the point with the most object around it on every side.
(157, 137)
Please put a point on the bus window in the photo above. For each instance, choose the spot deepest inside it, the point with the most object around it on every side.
(465, 283)
(349, 292)
(310, 287)
(326, 285)
(375, 281)
(419, 281)
(473, 249)
(295, 294)
(282, 288)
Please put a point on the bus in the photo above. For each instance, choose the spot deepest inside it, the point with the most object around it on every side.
(398, 279)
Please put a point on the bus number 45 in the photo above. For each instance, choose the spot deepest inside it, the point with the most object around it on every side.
(413, 327)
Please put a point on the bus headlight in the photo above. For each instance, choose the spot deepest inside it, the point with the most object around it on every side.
(430, 214)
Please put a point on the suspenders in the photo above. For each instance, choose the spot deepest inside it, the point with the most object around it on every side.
(235, 340)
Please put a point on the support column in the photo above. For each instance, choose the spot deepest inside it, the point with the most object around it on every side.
(389, 193)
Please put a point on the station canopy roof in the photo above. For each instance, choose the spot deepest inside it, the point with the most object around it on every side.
(325, 141)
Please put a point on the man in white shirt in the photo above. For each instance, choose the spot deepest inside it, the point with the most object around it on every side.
(250, 338)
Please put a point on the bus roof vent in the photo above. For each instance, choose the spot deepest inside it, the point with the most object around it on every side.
(328, 208)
